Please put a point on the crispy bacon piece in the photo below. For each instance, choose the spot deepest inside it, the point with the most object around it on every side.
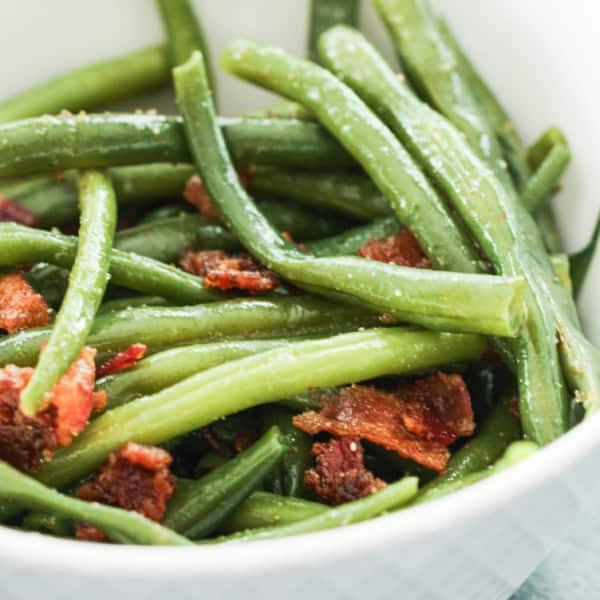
(123, 360)
(340, 475)
(402, 249)
(226, 272)
(417, 422)
(20, 306)
(11, 211)
(135, 478)
(26, 441)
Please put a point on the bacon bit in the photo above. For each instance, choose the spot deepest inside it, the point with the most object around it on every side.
(135, 478)
(20, 306)
(226, 272)
(403, 250)
(417, 422)
(287, 236)
(123, 360)
(340, 475)
(11, 211)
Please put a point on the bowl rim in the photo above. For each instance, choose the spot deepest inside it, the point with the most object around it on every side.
(35, 550)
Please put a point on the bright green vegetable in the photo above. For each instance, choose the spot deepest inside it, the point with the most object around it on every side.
(562, 268)
(251, 381)
(197, 509)
(92, 86)
(392, 497)
(325, 14)
(131, 302)
(119, 525)
(49, 523)
(432, 299)
(87, 282)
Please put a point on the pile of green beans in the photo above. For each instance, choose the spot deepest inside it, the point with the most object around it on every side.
(356, 153)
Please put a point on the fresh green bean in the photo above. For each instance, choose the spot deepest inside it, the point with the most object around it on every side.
(92, 86)
(131, 302)
(283, 110)
(118, 524)
(49, 523)
(347, 193)
(251, 381)
(562, 268)
(392, 497)
(19, 244)
(581, 261)
(287, 478)
(161, 328)
(325, 14)
(512, 242)
(262, 509)
(87, 283)
(433, 299)
(49, 144)
(374, 146)
(202, 505)
(434, 68)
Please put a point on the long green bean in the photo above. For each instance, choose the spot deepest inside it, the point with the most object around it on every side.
(197, 509)
(87, 283)
(92, 86)
(325, 14)
(49, 523)
(119, 525)
(49, 144)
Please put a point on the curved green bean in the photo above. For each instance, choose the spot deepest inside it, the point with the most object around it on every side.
(87, 283)
(92, 86)
(197, 509)
(325, 14)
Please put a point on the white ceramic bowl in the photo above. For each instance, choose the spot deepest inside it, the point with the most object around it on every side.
(540, 55)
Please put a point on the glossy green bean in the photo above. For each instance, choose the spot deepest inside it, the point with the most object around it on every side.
(433, 299)
(392, 497)
(48, 144)
(49, 523)
(283, 110)
(512, 244)
(118, 524)
(92, 86)
(131, 302)
(251, 381)
(346, 193)
(87, 283)
(203, 504)
(161, 328)
(325, 14)
(372, 144)
(262, 509)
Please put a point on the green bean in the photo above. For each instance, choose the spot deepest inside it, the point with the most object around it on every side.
(201, 506)
(262, 509)
(512, 242)
(374, 146)
(184, 32)
(283, 110)
(433, 299)
(19, 244)
(581, 261)
(434, 69)
(167, 368)
(497, 432)
(347, 193)
(287, 478)
(251, 381)
(325, 14)
(392, 497)
(92, 86)
(515, 453)
(49, 523)
(161, 328)
(87, 282)
(118, 524)
(562, 268)
(131, 302)
(48, 144)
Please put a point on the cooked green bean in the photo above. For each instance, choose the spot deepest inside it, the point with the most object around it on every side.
(374, 146)
(283, 110)
(92, 86)
(512, 242)
(49, 144)
(87, 282)
(161, 328)
(433, 67)
(197, 509)
(392, 497)
(325, 14)
(452, 303)
(581, 261)
(131, 302)
(119, 525)
(49, 523)
(562, 268)
(263, 509)
(251, 381)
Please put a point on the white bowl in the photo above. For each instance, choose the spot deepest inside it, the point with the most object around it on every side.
(479, 543)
